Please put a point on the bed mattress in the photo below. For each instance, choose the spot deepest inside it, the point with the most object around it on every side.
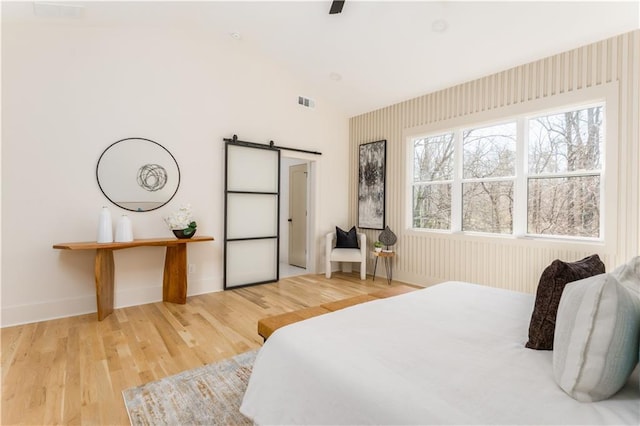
(452, 353)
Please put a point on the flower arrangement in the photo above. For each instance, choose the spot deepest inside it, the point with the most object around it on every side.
(182, 219)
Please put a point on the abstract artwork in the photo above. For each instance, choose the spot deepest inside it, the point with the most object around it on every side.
(371, 185)
(152, 177)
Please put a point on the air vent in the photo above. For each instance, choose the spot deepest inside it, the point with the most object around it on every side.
(306, 102)
(57, 10)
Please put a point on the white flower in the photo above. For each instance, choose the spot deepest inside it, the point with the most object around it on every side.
(181, 218)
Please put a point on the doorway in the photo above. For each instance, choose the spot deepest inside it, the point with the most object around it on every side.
(298, 215)
(295, 217)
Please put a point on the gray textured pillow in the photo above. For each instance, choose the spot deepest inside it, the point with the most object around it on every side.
(596, 338)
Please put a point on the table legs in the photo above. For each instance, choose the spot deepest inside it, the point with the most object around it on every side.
(375, 266)
(104, 272)
(388, 267)
(174, 282)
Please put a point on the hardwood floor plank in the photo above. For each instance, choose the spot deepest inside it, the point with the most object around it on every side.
(71, 383)
(73, 370)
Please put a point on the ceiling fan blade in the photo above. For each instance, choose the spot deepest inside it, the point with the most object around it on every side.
(336, 7)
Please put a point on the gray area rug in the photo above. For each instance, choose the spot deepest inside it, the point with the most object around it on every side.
(207, 395)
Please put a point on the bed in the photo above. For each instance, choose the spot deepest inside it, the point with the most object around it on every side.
(452, 353)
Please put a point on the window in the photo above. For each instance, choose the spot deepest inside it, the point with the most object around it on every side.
(488, 174)
(468, 179)
(565, 166)
(432, 179)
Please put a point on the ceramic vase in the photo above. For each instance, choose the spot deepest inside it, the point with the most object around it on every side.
(105, 227)
(124, 231)
(387, 237)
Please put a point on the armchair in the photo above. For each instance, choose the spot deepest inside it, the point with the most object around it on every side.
(346, 255)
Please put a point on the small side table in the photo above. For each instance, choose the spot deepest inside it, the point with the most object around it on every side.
(387, 256)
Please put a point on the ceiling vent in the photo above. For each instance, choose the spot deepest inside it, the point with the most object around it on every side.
(57, 10)
(306, 102)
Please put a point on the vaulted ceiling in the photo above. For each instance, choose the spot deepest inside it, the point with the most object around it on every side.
(372, 54)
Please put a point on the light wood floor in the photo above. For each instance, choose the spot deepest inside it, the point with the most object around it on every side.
(73, 370)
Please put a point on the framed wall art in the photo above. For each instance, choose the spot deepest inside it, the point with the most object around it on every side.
(372, 163)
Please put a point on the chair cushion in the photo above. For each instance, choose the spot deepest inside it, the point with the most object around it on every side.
(347, 239)
(345, 255)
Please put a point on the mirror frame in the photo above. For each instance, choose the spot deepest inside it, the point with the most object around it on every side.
(126, 208)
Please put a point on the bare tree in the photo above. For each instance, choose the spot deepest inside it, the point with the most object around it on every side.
(433, 163)
(565, 144)
(563, 187)
(489, 153)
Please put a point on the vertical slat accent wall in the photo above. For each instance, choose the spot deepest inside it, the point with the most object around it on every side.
(424, 257)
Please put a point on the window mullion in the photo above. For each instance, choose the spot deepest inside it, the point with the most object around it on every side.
(520, 190)
(579, 173)
(456, 186)
(489, 179)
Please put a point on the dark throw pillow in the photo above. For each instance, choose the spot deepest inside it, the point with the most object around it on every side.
(550, 287)
(346, 239)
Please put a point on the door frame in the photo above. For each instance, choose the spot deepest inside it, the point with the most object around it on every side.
(313, 191)
(301, 165)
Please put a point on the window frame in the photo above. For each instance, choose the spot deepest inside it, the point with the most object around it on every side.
(573, 174)
(450, 181)
(606, 95)
(462, 180)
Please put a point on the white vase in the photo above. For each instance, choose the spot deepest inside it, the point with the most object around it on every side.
(105, 227)
(124, 231)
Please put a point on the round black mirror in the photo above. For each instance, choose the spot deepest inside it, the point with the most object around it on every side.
(138, 174)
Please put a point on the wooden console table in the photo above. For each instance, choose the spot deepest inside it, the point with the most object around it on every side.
(174, 281)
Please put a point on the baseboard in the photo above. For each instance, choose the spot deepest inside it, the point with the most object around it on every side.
(414, 279)
(70, 307)
(43, 311)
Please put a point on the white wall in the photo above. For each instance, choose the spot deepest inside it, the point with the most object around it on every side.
(69, 92)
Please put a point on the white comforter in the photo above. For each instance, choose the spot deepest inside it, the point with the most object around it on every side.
(449, 354)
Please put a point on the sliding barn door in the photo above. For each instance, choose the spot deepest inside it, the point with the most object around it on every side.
(252, 209)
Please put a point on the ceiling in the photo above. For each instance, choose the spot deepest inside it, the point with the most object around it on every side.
(373, 54)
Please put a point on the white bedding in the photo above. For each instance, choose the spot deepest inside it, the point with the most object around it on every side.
(449, 354)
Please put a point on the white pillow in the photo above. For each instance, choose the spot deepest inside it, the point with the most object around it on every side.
(595, 345)
(628, 275)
